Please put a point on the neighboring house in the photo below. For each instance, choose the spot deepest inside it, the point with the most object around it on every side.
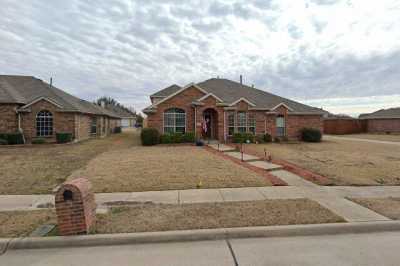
(39, 110)
(385, 120)
(224, 107)
(128, 118)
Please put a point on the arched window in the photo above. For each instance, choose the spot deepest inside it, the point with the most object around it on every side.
(174, 120)
(44, 124)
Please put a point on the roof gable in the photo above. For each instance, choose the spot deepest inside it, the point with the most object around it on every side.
(190, 85)
(53, 102)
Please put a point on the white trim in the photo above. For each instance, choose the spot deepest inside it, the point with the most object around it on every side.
(179, 91)
(39, 99)
(208, 95)
(163, 114)
(242, 99)
(282, 104)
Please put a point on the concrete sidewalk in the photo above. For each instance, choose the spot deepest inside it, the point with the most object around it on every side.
(332, 198)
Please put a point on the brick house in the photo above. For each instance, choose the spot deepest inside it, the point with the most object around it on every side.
(382, 121)
(217, 108)
(39, 110)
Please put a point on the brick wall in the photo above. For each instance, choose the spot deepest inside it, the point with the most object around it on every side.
(295, 123)
(182, 100)
(75, 207)
(383, 125)
(8, 118)
(343, 126)
(62, 122)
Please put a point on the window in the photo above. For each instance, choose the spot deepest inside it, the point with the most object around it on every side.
(280, 126)
(231, 123)
(93, 125)
(44, 124)
(245, 122)
(251, 123)
(241, 122)
(174, 121)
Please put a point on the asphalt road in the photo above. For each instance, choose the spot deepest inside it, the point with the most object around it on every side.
(348, 249)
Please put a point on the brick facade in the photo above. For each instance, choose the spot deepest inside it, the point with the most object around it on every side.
(75, 207)
(63, 122)
(9, 118)
(265, 121)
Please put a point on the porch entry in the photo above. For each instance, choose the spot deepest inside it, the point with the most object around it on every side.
(209, 125)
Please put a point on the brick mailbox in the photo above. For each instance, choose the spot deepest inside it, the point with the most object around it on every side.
(75, 207)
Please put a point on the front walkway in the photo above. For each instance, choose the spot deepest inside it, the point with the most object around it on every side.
(333, 198)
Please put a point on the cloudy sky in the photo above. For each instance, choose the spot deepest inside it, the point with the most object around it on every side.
(341, 55)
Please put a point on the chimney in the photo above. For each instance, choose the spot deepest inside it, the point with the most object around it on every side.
(241, 79)
(51, 82)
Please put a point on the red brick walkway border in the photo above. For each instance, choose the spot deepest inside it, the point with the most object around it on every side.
(293, 168)
(275, 181)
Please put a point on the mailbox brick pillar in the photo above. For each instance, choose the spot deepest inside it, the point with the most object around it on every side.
(75, 207)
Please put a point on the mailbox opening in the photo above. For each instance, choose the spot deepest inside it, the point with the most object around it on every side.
(67, 195)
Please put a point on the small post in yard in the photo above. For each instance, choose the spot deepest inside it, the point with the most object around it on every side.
(218, 146)
(265, 154)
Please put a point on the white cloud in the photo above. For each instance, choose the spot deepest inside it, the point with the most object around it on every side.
(128, 49)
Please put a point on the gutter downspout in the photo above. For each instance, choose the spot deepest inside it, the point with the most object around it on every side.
(224, 126)
(19, 126)
(195, 122)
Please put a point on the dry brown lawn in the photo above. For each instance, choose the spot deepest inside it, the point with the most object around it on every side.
(37, 169)
(164, 217)
(344, 162)
(165, 168)
(389, 207)
(381, 137)
(22, 223)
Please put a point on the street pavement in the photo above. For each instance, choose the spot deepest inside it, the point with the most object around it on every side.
(343, 249)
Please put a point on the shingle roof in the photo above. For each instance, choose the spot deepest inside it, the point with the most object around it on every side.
(383, 113)
(230, 91)
(167, 91)
(122, 112)
(26, 89)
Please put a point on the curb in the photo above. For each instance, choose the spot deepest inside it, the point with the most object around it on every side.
(198, 235)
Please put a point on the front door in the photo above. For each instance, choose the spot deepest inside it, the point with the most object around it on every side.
(207, 127)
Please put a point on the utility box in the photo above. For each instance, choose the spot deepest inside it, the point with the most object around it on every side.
(75, 207)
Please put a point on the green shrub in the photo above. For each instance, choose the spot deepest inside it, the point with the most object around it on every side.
(243, 137)
(117, 130)
(310, 135)
(177, 138)
(267, 138)
(3, 142)
(63, 137)
(150, 136)
(277, 140)
(38, 141)
(12, 138)
(189, 137)
(259, 138)
(166, 139)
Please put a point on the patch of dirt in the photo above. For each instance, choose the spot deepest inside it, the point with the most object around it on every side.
(165, 168)
(164, 217)
(22, 223)
(343, 162)
(38, 169)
